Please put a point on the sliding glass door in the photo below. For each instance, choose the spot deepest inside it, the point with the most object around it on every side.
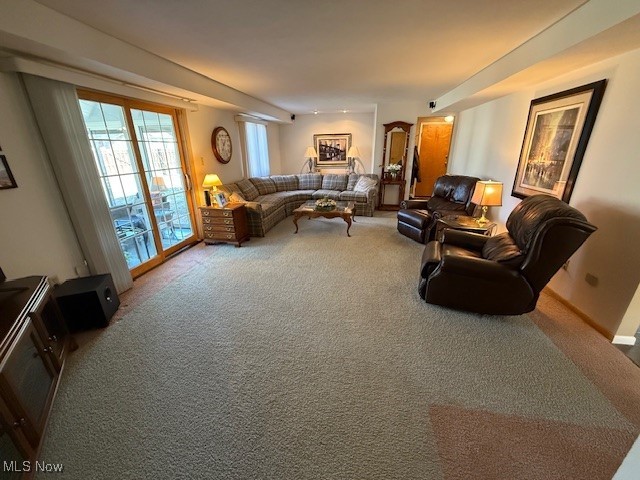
(138, 153)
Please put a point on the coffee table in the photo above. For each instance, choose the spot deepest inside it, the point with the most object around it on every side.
(343, 210)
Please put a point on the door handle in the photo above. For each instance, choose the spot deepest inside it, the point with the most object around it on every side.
(187, 181)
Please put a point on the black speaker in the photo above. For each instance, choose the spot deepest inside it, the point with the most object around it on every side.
(87, 302)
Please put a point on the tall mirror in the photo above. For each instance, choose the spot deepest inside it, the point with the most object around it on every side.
(395, 149)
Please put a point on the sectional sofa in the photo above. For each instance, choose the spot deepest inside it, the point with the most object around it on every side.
(271, 199)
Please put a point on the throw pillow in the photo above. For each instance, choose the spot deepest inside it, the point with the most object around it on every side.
(334, 181)
(248, 189)
(364, 184)
(235, 197)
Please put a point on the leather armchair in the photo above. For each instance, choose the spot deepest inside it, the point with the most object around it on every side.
(503, 275)
(451, 196)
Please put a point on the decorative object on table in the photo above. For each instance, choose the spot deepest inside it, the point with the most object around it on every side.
(310, 154)
(393, 170)
(352, 155)
(220, 199)
(221, 144)
(325, 204)
(6, 177)
(210, 184)
(332, 149)
(487, 194)
(342, 209)
(555, 140)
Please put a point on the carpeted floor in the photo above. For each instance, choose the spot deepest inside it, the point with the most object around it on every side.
(311, 356)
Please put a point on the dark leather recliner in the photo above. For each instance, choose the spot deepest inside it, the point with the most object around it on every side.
(503, 275)
(451, 196)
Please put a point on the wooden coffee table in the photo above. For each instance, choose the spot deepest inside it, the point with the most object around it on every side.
(343, 210)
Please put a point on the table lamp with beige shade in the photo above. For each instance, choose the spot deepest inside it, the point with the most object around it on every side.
(210, 183)
(310, 153)
(487, 194)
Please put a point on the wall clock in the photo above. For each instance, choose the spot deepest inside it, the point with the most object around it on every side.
(221, 144)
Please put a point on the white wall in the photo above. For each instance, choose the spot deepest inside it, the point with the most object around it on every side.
(201, 125)
(296, 137)
(487, 143)
(36, 236)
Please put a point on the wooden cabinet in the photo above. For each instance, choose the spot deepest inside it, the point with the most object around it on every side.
(33, 345)
(225, 225)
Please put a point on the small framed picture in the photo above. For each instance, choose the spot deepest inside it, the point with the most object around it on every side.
(6, 177)
(220, 199)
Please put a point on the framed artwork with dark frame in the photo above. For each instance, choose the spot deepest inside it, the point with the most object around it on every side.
(555, 140)
(6, 177)
(332, 149)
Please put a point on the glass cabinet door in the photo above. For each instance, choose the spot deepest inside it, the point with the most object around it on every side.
(30, 379)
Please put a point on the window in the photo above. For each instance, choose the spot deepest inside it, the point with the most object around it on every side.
(137, 151)
(257, 149)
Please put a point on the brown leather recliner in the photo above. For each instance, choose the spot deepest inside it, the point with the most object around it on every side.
(451, 196)
(503, 275)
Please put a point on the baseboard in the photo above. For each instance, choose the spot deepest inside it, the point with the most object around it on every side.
(624, 340)
(587, 319)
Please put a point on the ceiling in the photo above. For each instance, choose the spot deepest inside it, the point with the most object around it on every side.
(325, 55)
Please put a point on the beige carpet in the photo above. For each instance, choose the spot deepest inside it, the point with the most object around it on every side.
(311, 356)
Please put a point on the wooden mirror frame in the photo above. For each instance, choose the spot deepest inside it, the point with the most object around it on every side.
(388, 127)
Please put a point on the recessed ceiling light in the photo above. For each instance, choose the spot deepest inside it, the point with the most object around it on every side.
(448, 118)
(344, 111)
(315, 112)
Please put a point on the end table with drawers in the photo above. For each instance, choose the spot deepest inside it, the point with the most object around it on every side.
(225, 225)
(463, 222)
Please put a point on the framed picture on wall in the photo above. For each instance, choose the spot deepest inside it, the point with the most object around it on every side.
(555, 140)
(6, 177)
(332, 149)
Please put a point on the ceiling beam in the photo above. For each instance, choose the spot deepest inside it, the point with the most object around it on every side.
(595, 20)
(26, 27)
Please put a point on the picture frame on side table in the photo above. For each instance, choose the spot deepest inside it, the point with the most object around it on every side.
(332, 149)
(220, 199)
(555, 141)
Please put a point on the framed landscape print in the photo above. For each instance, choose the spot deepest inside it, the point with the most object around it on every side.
(332, 149)
(6, 177)
(555, 140)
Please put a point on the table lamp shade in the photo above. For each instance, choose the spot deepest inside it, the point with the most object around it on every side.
(310, 152)
(353, 152)
(487, 194)
(212, 181)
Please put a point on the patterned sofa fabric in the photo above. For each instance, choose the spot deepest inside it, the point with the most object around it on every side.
(333, 181)
(264, 185)
(286, 183)
(271, 199)
(310, 181)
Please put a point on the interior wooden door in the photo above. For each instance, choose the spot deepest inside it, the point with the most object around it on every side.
(435, 141)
